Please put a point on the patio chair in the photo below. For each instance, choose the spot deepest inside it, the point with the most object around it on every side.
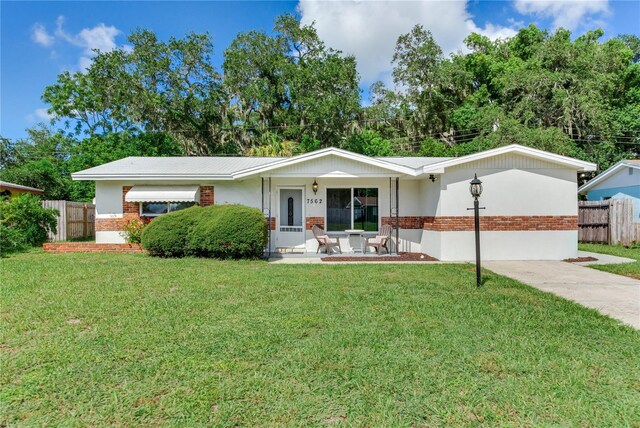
(324, 240)
(381, 240)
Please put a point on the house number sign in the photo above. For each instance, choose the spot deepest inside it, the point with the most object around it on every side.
(314, 201)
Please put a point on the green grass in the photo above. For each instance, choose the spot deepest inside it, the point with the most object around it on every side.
(628, 269)
(96, 339)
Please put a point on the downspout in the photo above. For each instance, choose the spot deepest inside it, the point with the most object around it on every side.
(269, 215)
(397, 214)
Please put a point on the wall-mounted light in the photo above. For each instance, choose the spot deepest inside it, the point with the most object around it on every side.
(314, 187)
(433, 178)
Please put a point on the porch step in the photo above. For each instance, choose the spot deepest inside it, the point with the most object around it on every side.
(289, 250)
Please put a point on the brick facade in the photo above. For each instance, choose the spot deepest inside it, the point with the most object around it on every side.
(129, 207)
(273, 223)
(502, 223)
(206, 196)
(90, 247)
(487, 223)
(406, 222)
(310, 221)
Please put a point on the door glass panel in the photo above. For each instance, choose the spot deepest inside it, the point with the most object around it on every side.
(338, 209)
(290, 207)
(365, 209)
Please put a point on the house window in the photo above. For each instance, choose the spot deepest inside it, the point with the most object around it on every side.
(154, 209)
(338, 209)
(365, 209)
(352, 208)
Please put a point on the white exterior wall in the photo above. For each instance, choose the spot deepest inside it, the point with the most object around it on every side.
(513, 185)
(109, 205)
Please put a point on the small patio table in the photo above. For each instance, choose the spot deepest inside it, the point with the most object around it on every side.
(358, 233)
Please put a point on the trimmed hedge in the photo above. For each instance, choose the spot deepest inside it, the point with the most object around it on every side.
(220, 231)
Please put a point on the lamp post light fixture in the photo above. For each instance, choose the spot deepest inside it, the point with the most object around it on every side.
(314, 187)
(475, 188)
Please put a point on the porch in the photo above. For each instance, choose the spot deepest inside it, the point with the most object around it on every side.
(348, 210)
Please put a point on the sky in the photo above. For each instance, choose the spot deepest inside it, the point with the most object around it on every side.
(39, 40)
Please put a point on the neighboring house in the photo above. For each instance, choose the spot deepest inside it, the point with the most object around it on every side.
(11, 189)
(621, 181)
(529, 198)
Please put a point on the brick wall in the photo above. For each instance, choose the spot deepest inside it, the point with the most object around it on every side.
(406, 222)
(206, 196)
(310, 221)
(90, 247)
(129, 207)
(504, 223)
(487, 223)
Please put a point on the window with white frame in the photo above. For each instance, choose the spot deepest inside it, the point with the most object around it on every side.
(154, 209)
(352, 208)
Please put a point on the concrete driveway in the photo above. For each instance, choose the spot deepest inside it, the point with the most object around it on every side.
(613, 295)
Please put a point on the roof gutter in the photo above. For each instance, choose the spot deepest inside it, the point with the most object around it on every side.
(154, 177)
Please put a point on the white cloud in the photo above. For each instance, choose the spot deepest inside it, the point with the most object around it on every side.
(568, 14)
(40, 35)
(369, 29)
(101, 37)
(39, 115)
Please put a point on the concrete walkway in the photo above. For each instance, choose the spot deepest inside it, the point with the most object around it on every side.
(603, 259)
(614, 295)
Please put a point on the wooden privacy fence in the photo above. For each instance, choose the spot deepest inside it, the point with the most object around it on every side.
(76, 220)
(609, 222)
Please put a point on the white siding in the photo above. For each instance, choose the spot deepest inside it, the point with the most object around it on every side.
(330, 166)
(510, 191)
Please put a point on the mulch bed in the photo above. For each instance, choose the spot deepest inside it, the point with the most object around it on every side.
(581, 259)
(402, 257)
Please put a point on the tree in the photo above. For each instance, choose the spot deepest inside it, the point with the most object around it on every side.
(154, 87)
(290, 84)
(369, 143)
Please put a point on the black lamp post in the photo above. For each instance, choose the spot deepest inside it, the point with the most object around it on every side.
(475, 187)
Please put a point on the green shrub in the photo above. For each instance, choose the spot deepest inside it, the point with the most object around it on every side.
(11, 240)
(132, 231)
(166, 235)
(221, 231)
(25, 222)
(229, 232)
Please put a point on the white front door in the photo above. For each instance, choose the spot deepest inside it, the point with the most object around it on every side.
(290, 220)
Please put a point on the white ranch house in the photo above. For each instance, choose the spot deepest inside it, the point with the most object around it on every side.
(529, 198)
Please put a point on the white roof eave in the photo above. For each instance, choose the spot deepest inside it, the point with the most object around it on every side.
(322, 153)
(438, 168)
(122, 177)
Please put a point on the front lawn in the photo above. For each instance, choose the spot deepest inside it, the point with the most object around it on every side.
(628, 269)
(96, 339)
